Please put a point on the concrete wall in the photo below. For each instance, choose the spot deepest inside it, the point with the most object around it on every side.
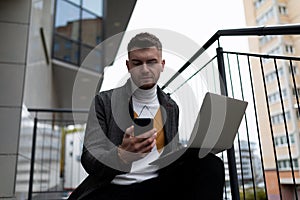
(25, 78)
(14, 29)
(38, 88)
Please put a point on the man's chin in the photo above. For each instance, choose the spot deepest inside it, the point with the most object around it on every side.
(147, 86)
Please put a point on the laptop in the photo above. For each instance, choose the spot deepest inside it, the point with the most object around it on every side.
(215, 127)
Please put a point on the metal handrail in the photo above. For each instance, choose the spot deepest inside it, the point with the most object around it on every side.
(57, 110)
(34, 137)
(252, 31)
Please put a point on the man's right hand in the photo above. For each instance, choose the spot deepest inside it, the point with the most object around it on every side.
(134, 148)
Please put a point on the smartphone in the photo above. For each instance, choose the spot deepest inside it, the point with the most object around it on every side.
(142, 125)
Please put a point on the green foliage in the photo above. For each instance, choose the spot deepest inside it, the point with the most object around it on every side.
(249, 194)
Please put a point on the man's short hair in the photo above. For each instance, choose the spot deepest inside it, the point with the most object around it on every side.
(144, 40)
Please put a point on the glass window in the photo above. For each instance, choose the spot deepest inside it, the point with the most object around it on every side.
(292, 139)
(288, 115)
(76, 55)
(67, 57)
(56, 47)
(294, 68)
(90, 29)
(284, 164)
(289, 49)
(67, 50)
(280, 165)
(295, 163)
(68, 44)
(78, 158)
(77, 2)
(282, 9)
(95, 6)
(67, 20)
(284, 140)
(276, 141)
(77, 29)
(281, 140)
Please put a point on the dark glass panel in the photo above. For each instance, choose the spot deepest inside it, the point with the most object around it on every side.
(65, 49)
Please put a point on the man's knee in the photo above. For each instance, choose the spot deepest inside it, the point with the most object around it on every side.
(214, 165)
(205, 177)
(209, 168)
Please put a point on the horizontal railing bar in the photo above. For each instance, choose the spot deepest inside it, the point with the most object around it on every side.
(292, 29)
(207, 63)
(57, 110)
(53, 191)
(264, 55)
(59, 120)
(252, 31)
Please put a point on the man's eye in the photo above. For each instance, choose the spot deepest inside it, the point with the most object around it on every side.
(137, 63)
(153, 62)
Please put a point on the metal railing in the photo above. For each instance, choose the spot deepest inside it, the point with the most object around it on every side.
(250, 171)
(47, 176)
(274, 107)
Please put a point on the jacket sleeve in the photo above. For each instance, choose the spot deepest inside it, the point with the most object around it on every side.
(177, 143)
(99, 155)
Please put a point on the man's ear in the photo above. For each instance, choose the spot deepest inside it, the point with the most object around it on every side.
(163, 65)
(127, 64)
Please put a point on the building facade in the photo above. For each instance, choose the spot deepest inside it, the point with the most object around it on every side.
(266, 13)
(44, 43)
(248, 166)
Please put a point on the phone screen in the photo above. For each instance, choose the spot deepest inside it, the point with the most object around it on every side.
(142, 125)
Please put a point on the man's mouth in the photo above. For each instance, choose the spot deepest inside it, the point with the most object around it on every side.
(146, 78)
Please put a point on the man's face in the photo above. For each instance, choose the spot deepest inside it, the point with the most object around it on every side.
(145, 66)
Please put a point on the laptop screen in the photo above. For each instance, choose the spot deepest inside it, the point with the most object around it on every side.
(217, 123)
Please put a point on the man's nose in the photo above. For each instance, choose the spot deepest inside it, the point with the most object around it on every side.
(144, 67)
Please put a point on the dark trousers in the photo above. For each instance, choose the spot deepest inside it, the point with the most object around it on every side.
(187, 178)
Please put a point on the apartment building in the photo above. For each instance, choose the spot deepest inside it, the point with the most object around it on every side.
(248, 166)
(277, 159)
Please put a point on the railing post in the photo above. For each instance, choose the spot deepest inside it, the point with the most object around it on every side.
(230, 153)
(32, 158)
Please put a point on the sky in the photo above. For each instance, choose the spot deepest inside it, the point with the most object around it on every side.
(197, 20)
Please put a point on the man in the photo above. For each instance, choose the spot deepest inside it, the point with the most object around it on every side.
(118, 161)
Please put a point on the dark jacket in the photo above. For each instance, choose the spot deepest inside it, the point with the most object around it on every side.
(110, 114)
